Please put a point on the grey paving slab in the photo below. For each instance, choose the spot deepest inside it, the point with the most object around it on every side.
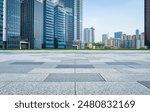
(111, 88)
(74, 78)
(14, 69)
(121, 63)
(9, 76)
(38, 88)
(51, 70)
(110, 66)
(32, 78)
(122, 77)
(140, 66)
(27, 63)
(75, 66)
(97, 70)
(136, 71)
(145, 83)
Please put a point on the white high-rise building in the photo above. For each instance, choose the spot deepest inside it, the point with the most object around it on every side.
(89, 35)
(104, 38)
(142, 38)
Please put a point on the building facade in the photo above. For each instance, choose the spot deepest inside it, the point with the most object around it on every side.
(68, 28)
(11, 24)
(104, 38)
(48, 30)
(89, 35)
(32, 23)
(147, 23)
(76, 7)
(1, 24)
(59, 26)
(118, 35)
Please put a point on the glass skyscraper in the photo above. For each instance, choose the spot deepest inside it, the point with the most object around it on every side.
(147, 23)
(76, 6)
(11, 23)
(69, 29)
(59, 29)
(118, 35)
(32, 22)
(48, 24)
(1, 23)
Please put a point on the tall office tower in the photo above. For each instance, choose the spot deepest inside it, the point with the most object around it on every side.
(68, 27)
(48, 41)
(32, 23)
(76, 6)
(104, 38)
(86, 35)
(142, 38)
(147, 23)
(89, 35)
(138, 39)
(59, 26)
(118, 35)
(11, 24)
(92, 34)
(134, 41)
(1, 23)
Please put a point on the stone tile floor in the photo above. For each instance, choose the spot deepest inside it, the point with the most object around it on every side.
(74, 72)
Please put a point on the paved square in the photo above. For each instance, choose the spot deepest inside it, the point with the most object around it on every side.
(72, 72)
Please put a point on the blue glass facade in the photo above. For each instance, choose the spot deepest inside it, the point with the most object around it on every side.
(59, 29)
(27, 21)
(118, 35)
(69, 29)
(12, 23)
(48, 24)
(1, 23)
(76, 6)
(32, 22)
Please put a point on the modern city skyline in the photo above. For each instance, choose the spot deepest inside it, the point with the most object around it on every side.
(109, 16)
(38, 31)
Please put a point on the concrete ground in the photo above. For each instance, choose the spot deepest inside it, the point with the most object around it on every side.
(74, 72)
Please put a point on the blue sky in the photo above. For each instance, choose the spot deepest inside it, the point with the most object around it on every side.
(109, 16)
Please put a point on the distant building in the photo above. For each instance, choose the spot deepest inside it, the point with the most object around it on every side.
(11, 23)
(89, 35)
(142, 38)
(118, 35)
(113, 43)
(104, 38)
(92, 34)
(138, 45)
(134, 41)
